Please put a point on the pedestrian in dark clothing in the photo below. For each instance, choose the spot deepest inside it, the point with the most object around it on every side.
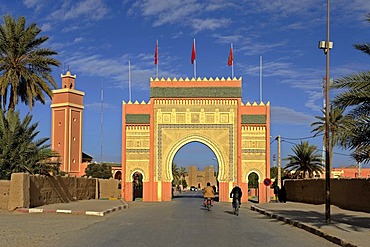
(282, 194)
(276, 192)
(236, 194)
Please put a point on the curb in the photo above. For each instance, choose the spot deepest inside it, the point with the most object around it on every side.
(306, 227)
(75, 212)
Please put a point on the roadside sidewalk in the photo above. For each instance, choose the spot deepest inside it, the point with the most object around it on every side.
(347, 228)
(87, 207)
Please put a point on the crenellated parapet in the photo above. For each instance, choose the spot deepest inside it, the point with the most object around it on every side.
(196, 102)
(196, 88)
(255, 104)
(192, 79)
(135, 102)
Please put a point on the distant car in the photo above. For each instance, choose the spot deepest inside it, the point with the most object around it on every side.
(193, 188)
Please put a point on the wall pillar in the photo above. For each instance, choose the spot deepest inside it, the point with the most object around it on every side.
(19, 192)
(263, 192)
(224, 191)
(166, 191)
(244, 188)
(127, 191)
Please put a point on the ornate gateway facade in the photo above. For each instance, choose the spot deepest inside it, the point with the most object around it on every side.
(180, 111)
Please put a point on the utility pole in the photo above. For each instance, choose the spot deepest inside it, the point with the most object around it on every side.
(279, 161)
(327, 134)
(359, 168)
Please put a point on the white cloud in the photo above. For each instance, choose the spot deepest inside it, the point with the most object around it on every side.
(210, 24)
(46, 27)
(97, 106)
(283, 115)
(184, 12)
(114, 68)
(227, 39)
(250, 47)
(90, 9)
(286, 7)
(78, 40)
(30, 3)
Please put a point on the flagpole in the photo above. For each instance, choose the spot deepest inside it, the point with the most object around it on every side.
(260, 78)
(157, 57)
(195, 63)
(232, 63)
(129, 80)
(101, 122)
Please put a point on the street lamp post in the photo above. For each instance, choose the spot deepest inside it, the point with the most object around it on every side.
(326, 46)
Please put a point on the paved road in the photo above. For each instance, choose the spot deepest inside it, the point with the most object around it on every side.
(182, 222)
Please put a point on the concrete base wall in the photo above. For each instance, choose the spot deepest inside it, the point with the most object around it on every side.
(50, 189)
(4, 194)
(346, 193)
(25, 190)
(19, 195)
(109, 188)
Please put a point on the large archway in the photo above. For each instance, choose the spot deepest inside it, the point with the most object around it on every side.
(197, 160)
(213, 146)
(208, 111)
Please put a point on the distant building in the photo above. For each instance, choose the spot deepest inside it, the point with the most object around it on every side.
(66, 125)
(351, 171)
(199, 178)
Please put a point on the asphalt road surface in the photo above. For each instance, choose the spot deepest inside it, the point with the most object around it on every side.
(182, 222)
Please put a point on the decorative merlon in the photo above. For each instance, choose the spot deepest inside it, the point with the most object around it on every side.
(255, 104)
(68, 74)
(135, 103)
(205, 79)
(191, 101)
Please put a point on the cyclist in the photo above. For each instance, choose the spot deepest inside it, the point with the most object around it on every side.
(208, 193)
(236, 193)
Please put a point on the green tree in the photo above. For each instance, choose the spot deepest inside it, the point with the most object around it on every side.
(253, 180)
(355, 96)
(25, 68)
(338, 123)
(182, 175)
(175, 173)
(306, 161)
(274, 173)
(19, 151)
(96, 170)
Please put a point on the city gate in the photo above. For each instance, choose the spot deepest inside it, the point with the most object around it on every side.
(180, 111)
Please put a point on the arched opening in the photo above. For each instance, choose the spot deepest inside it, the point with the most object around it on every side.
(118, 175)
(137, 186)
(196, 165)
(253, 186)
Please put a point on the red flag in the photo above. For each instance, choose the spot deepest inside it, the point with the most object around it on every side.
(231, 57)
(156, 53)
(193, 55)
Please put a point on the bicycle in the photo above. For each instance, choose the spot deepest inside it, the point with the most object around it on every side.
(236, 207)
(209, 204)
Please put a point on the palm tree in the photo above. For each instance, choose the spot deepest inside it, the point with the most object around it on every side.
(338, 124)
(19, 152)
(355, 95)
(364, 47)
(182, 174)
(175, 173)
(306, 161)
(25, 68)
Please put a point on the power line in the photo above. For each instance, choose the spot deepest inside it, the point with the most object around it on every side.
(302, 138)
(318, 149)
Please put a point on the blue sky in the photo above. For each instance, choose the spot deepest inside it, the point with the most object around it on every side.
(97, 39)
